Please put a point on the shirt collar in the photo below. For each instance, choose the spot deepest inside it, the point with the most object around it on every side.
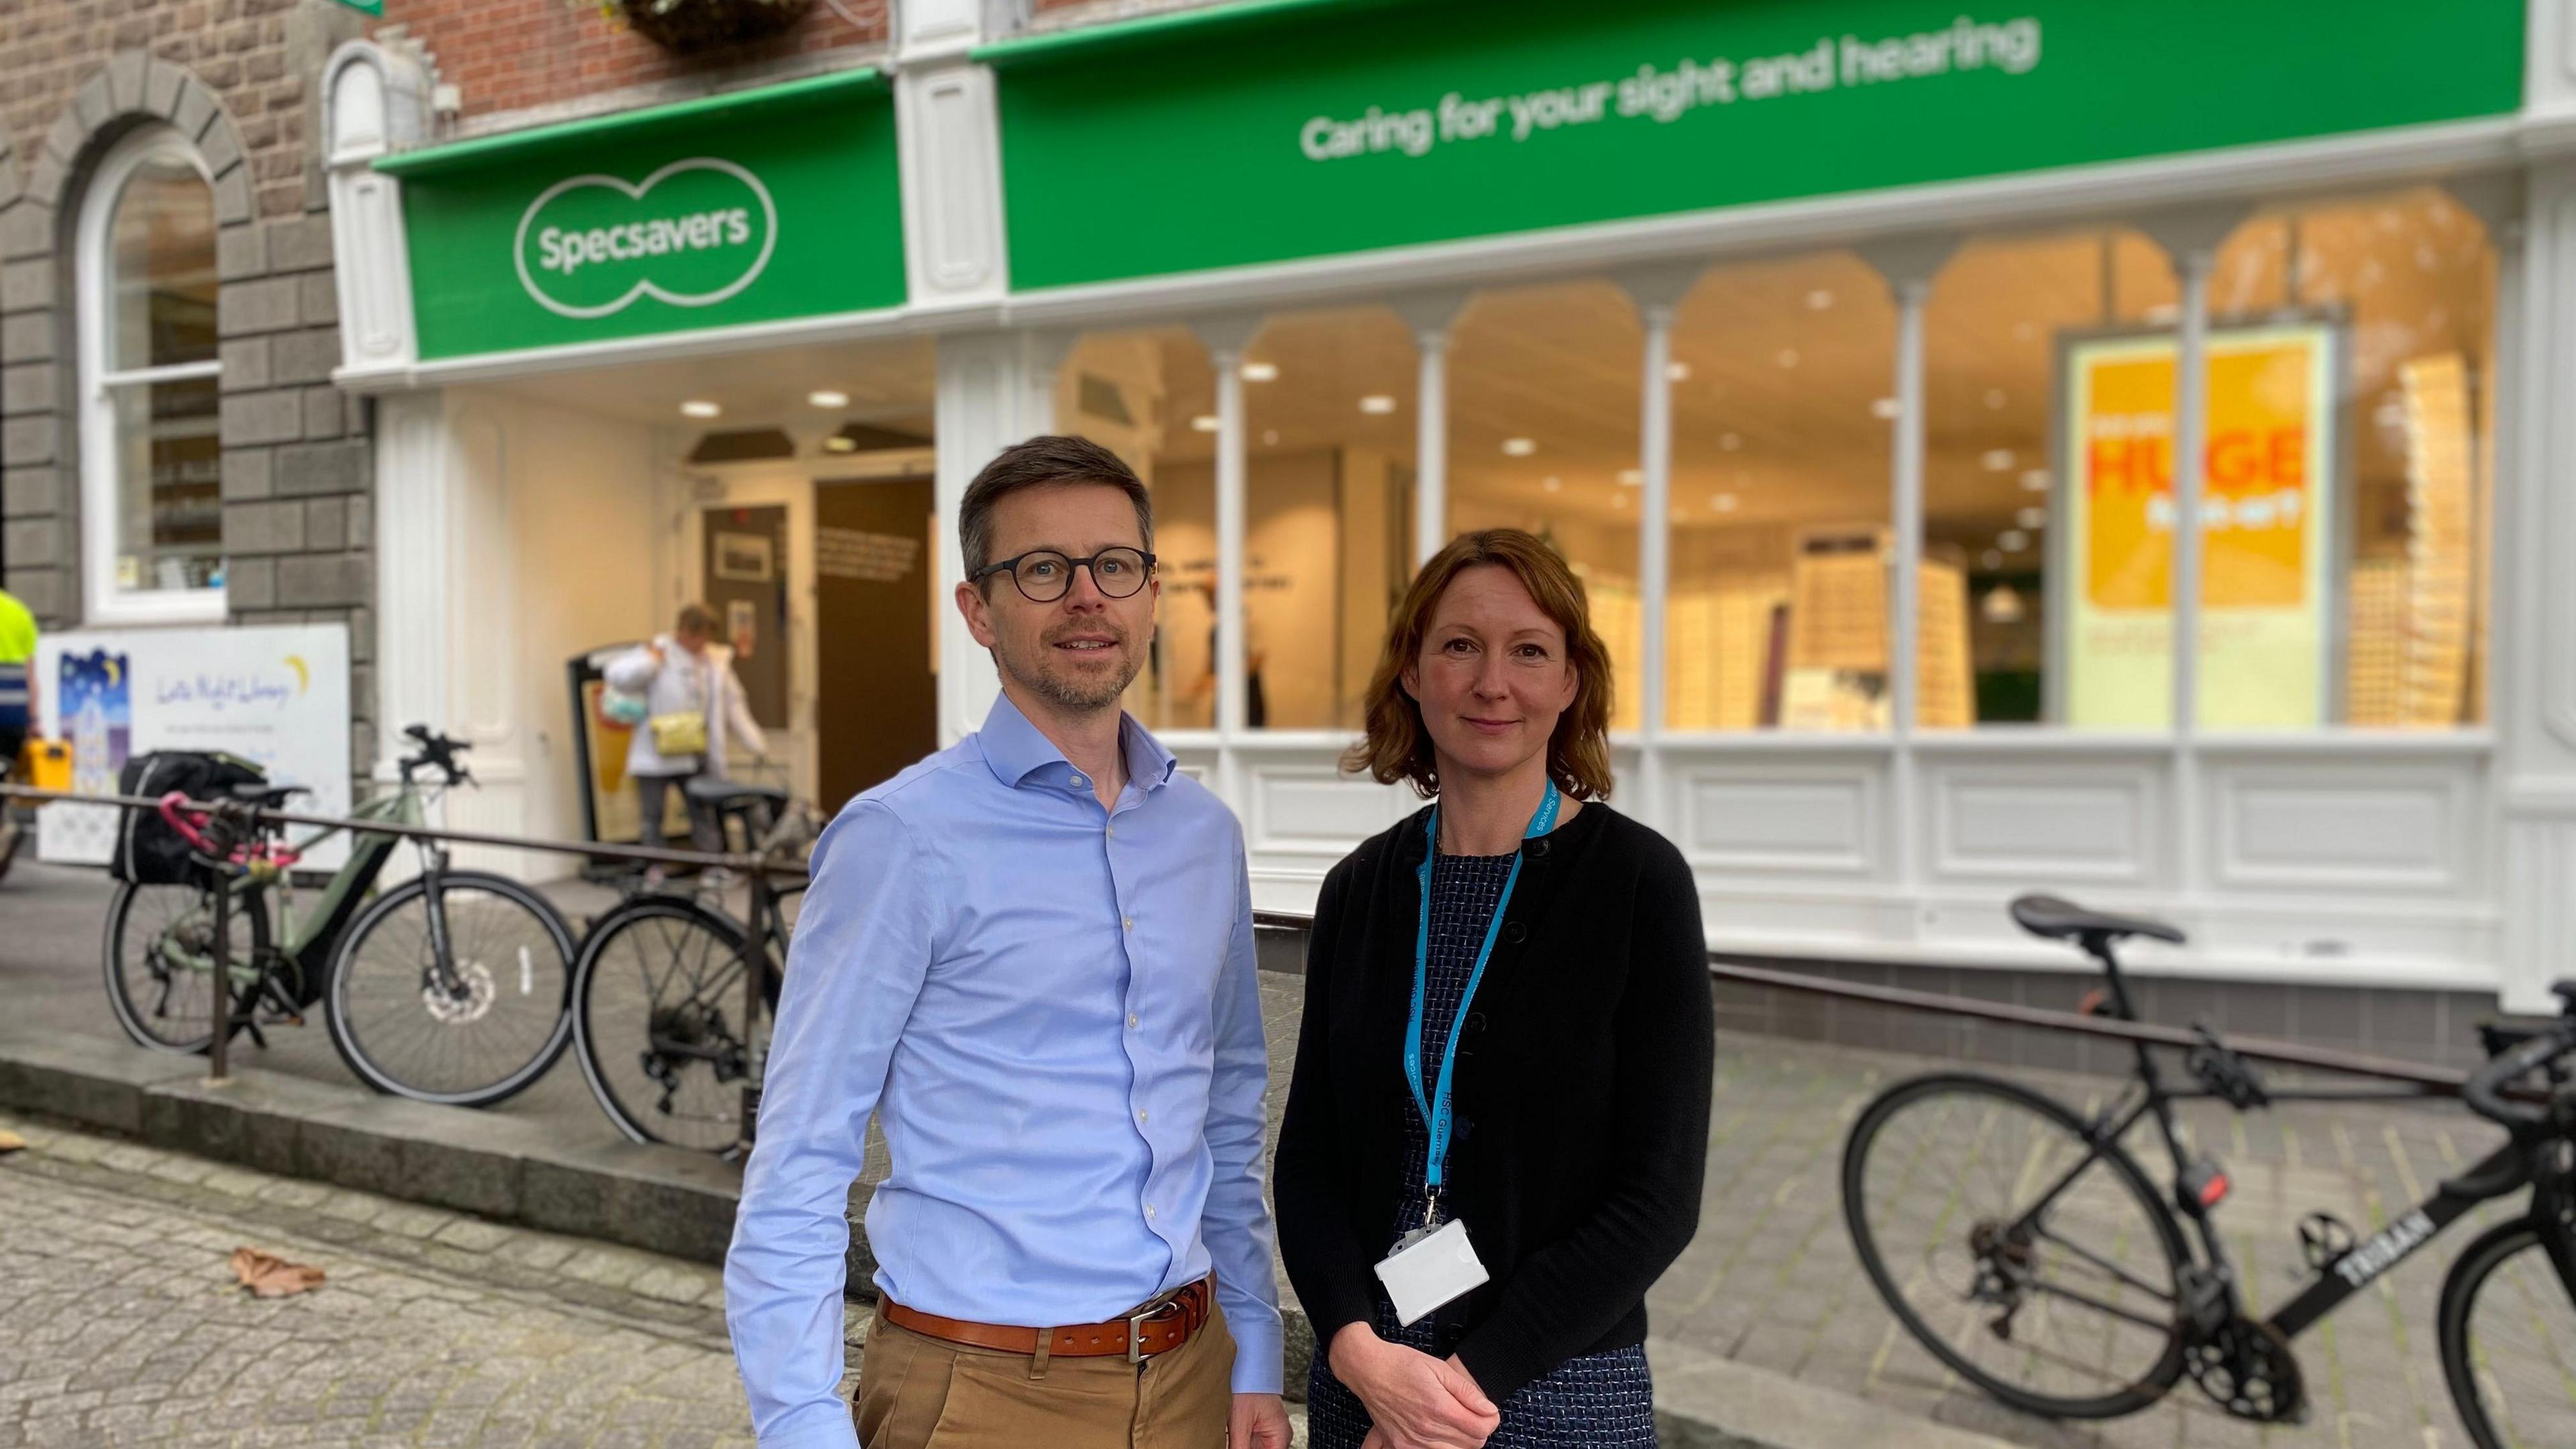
(1015, 749)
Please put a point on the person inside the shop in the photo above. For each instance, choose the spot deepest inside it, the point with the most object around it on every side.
(693, 709)
(1029, 956)
(1498, 1122)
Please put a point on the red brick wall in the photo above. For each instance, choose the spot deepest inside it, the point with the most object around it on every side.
(238, 48)
(508, 55)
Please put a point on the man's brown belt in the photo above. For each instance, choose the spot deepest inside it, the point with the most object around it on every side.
(1158, 1328)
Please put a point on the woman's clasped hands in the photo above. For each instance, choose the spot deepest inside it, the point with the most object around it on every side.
(1415, 1401)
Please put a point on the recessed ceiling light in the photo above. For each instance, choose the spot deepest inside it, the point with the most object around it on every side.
(1992, 560)
(1377, 404)
(1261, 372)
(2012, 540)
(1820, 299)
(1885, 409)
(1632, 477)
(1519, 447)
(1788, 357)
(700, 408)
(1994, 397)
(2032, 518)
(1723, 503)
(828, 398)
(1997, 460)
(2035, 480)
(1551, 483)
(1204, 422)
(839, 444)
(1269, 439)
(1677, 371)
(1729, 441)
(1618, 500)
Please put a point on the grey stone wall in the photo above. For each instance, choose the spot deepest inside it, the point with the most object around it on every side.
(298, 521)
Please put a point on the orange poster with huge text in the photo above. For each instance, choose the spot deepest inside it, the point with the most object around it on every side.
(2266, 496)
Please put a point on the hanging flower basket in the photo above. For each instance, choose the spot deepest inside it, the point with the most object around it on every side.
(692, 25)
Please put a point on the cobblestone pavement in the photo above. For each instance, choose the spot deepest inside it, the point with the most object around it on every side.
(122, 1323)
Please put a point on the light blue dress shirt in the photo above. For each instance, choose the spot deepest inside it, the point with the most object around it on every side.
(1052, 1008)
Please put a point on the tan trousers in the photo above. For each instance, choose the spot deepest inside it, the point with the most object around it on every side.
(922, 1393)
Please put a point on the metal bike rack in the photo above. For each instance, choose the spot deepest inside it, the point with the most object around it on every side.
(755, 868)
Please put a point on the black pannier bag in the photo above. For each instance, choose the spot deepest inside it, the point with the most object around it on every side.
(148, 850)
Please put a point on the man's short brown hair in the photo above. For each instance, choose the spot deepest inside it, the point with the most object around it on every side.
(697, 619)
(1398, 745)
(1047, 461)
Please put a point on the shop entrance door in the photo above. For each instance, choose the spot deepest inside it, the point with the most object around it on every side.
(876, 702)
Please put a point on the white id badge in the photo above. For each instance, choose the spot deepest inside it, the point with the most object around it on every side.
(1426, 1272)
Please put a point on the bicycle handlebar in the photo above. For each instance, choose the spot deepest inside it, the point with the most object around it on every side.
(2483, 1090)
(436, 750)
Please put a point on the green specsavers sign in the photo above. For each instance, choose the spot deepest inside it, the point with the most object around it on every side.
(774, 204)
(1279, 129)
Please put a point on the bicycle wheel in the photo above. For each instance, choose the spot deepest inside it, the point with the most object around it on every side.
(159, 960)
(2509, 1342)
(657, 1022)
(2039, 1269)
(468, 1037)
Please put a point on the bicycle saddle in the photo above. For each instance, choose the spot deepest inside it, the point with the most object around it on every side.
(724, 795)
(2063, 920)
(267, 797)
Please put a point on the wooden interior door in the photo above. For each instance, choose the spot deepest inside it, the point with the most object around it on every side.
(876, 706)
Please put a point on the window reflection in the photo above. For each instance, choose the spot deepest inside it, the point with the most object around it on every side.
(2021, 622)
(1330, 418)
(1543, 416)
(2371, 600)
(1780, 379)
(162, 267)
(1150, 397)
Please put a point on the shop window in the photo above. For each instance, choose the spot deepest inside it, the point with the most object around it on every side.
(1329, 422)
(1781, 377)
(1543, 419)
(2351, 456)
(2049, 365)
(151, 428)
(1150, 397)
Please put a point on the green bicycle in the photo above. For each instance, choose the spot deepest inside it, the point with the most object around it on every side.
(451, 987)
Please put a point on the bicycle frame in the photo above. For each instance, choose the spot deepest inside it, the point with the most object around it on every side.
(2525, 1160)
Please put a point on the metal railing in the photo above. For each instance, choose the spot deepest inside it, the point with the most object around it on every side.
(2428, 1080)
(761, 871)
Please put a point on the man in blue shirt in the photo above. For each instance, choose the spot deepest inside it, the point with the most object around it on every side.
(1031, 956)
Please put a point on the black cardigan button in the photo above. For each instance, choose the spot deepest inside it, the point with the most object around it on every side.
(1475, 1023)
(1515, 932)
(1538, 848)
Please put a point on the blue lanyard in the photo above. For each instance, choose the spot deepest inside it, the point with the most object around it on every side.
(1435, 1108)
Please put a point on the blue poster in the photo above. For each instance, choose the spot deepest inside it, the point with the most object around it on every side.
(97, 713)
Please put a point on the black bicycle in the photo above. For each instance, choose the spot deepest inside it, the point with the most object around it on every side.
(671, 993)
(2025, 1247)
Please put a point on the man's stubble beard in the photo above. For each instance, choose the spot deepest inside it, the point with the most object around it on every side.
(1065, 693)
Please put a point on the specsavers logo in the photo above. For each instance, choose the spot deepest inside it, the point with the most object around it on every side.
(691, 234)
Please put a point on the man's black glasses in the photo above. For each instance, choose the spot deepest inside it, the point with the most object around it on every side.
(1043, 575)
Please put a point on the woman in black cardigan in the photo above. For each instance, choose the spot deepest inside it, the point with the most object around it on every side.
(1578, 1111)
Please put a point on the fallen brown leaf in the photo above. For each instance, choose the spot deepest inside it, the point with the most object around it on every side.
(267, 1275)
(11, 1142)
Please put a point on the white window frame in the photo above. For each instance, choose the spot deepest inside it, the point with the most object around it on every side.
(103, 602)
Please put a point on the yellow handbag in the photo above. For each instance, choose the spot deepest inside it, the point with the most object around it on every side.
(681, 732)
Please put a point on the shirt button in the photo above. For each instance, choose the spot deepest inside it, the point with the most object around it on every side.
(1131, 1021)
(1127, 922)
(1080, 783)
(1140, 1116)
(1113, 832)
(1149, 1212)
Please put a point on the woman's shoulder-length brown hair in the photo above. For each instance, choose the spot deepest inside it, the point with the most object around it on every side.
(1397, 747)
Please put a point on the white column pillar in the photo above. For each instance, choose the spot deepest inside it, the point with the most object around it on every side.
(948, 121)
(1231, 506)
(1908, 265)
(375, 103)
(1431, 317)
(2191, 240)
(2532, 657)
(984, 401)
(416, 514)
(1431, 445)
(1654, 533)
